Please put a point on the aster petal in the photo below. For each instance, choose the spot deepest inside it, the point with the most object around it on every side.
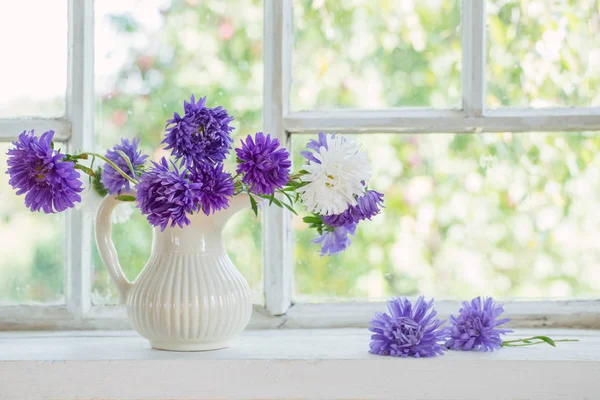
(263, 164)
(403, 333)
(335, 175)
(475, 326)
(201, 136)
(37, 170)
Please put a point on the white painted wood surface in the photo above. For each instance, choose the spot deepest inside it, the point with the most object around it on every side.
(277, 222)
(11, 128)
(293, 364)
(473, 57)
(403, 120)
(524, 314)
(80, 111)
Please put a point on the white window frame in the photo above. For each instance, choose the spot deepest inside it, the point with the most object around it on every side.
(77, 129)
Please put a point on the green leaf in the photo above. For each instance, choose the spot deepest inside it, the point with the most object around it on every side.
(301, 184)
(97, 184)
(290, 199)
(545, 339)
(277, 202)
(290, 208)
(311, 219)
(128, 161)
(85, 169)
(253, 204)
(126, 197)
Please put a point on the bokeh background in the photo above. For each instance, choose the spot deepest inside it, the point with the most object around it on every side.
(510, 215)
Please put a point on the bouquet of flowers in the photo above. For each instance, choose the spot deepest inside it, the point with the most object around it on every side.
(332, 183)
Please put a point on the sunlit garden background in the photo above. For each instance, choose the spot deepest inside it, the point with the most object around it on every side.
(506, 214)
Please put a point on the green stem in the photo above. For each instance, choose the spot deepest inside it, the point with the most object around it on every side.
(112, 164)
(510, 343)
(540, 342)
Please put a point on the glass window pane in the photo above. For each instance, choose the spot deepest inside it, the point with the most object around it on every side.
(376, 54)
(543, 53)
(150, 57)
(33, 81)
(31, 248)
(507, 215)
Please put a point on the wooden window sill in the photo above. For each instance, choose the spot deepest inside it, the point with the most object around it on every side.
(289, 364)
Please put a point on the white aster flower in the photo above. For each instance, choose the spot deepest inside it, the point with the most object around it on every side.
(90, 201)
(336, 169)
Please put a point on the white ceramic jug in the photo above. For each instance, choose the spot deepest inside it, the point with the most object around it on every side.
(189, 296)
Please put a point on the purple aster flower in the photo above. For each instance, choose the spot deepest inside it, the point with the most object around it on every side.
(201, 136)
(35, 168)
(335, 241)
(408, 331)
(264, 165)
(315, 145)
(368, 206)
(113, 181)
(475, 326)
(165, 196)
(215, 187)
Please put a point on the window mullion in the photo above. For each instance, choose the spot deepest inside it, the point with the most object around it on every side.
(473, 57)
(80, 111)
(277, 234)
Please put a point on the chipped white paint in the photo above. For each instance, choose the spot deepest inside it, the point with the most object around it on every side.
(11, 128)
(277, 222)
(444, 121)
(473, 57)
(524, 314)
(291, 364)
(80, 111)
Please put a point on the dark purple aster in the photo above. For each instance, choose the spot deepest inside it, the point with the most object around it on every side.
(475, 326)
(36, 169)
(165, 196)
(409, 331)
(368, 205)
(215, 187)
(111, 179)
(201, 136)
(335, 241)
(315, 145)
(264, 165)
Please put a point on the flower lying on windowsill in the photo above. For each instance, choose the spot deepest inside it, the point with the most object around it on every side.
(332, 184)
(413, 331)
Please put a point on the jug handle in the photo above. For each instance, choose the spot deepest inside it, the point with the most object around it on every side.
(106, 247)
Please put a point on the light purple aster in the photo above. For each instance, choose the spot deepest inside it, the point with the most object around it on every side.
(165, 196)
(315, 145)
(368, 206)
(475, 328)
(335, 241)
(215, 187)
(201, 136)
(113, 181)
(409, 331)
(35, 168)
(264, 165)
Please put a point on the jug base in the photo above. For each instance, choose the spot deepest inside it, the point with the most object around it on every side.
(190, 345)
